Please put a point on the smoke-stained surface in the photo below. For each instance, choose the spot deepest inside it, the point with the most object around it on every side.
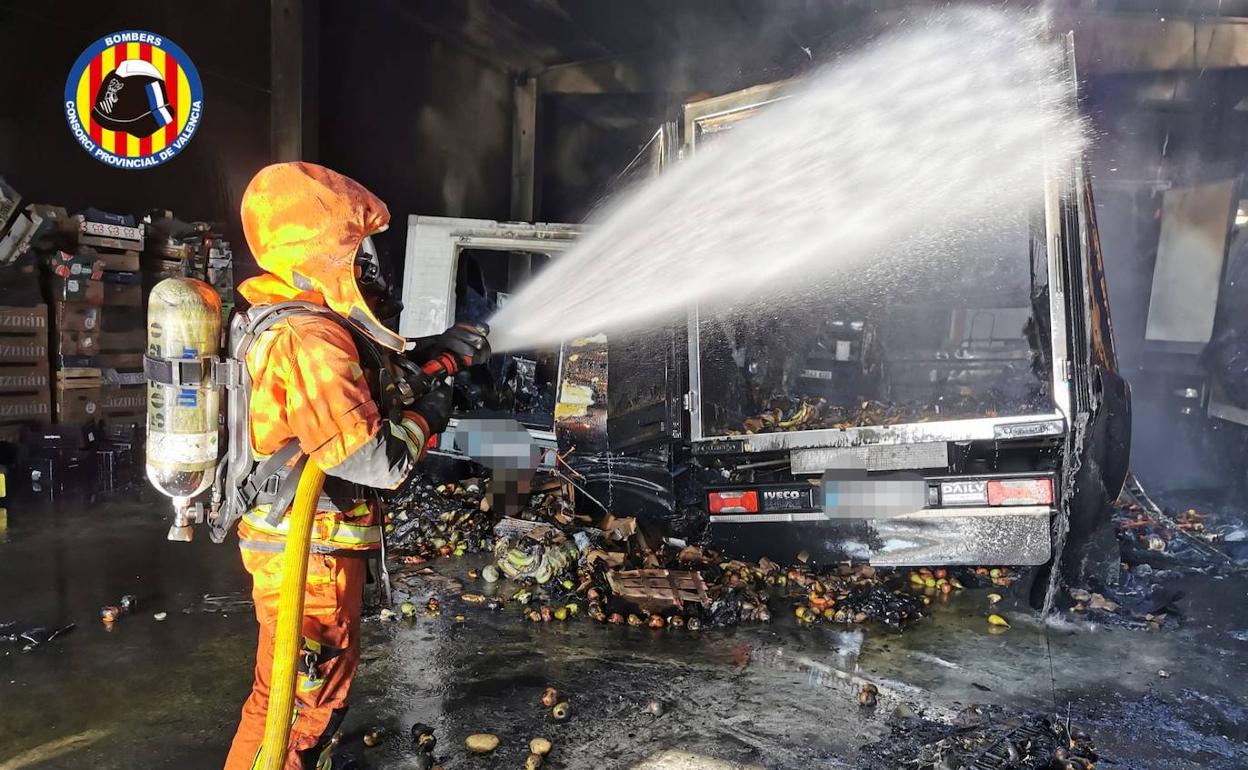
(424, 125)
(1158, 131)
(933, 127)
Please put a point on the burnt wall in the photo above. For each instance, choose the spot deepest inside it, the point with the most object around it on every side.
(419, 122)
(228, 40)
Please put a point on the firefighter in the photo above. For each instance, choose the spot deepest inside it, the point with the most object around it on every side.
(314, 381)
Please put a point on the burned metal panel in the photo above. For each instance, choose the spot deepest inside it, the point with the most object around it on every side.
(645, 405)
(877, 457)
(1104, 352)
(983, 429)
(581, 405)
(1018, 536)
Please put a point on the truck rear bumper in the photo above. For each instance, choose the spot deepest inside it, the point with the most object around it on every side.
(931, 537)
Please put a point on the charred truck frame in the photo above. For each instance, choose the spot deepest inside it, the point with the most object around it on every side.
(1000, 436)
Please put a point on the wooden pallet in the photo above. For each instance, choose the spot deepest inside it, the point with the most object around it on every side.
(659, 587)
(78, 377)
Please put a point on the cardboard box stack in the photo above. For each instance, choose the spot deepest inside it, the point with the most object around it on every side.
(24, 382)
(75, 295)
(25, 393)
(71, 344)
(117, 240)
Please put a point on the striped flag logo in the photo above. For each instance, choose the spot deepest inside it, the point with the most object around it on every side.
(133, 99)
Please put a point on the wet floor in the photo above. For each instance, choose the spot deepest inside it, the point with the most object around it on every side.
(156, 694)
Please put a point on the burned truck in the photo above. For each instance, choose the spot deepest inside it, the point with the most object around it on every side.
(969, 412)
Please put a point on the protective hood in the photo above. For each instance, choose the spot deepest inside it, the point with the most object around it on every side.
(304, 224)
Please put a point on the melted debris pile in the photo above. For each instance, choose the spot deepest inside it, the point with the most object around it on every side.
(789, 413)
(981, 739)
(425, 520)
(1190, 540)
(558, 567)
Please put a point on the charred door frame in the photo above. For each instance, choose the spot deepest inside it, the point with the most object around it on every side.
(432, 253)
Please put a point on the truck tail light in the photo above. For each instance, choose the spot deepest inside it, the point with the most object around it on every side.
(733, 502)
(1020, 492)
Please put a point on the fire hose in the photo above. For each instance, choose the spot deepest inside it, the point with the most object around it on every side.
(288, 635)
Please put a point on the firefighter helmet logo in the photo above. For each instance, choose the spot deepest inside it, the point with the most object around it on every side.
(133, 99)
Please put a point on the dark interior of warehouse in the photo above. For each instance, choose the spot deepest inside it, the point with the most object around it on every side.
(702, 385)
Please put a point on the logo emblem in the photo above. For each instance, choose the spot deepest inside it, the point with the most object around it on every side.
(133, 99)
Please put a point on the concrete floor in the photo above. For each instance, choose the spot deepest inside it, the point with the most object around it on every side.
(166, 694)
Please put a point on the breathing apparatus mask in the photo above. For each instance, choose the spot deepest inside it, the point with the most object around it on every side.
(374, 284)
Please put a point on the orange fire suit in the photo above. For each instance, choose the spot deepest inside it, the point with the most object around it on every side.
(304, 224)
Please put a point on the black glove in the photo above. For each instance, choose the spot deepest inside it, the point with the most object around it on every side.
(435, 408)
(466, 341)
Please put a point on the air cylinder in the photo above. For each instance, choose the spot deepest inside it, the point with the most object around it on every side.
(183, 325)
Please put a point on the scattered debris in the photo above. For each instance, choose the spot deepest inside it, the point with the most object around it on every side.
(550, 697)
(481, 743)
(867, 695)
(659, 587)
(655, 708)
(374, 736)
(423, 738)
(533, 761)
(32, 637)
(159, 616)
(981, 739)
(428, 520)
(996, 620)
(623, 571)
(112, 613)
(561, 711)
(238, 601)
(540, 746)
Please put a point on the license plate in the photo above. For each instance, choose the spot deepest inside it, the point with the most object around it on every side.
(867, 498)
